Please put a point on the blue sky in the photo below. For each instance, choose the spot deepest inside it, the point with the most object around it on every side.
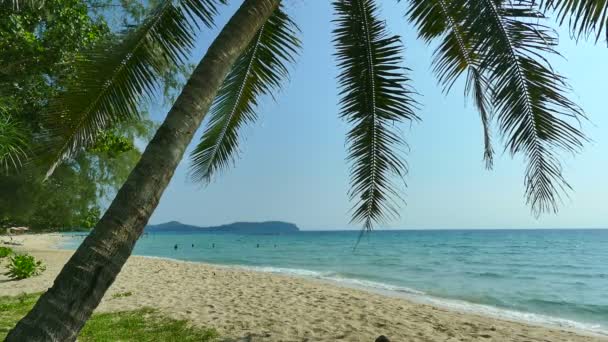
(292, 164)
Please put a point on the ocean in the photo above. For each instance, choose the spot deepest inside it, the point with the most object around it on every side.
(548, 277)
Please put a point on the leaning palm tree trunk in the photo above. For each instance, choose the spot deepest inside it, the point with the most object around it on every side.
(63, 310)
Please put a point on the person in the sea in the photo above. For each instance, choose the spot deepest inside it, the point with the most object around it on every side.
(192, 245)
(175, 247)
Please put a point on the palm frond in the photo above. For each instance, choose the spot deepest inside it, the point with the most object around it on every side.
(584, 17)
(534, 114)
(13, 144)
(374, 94)
(258, 71)
(480, 89)
(442, 20)
(113, 79)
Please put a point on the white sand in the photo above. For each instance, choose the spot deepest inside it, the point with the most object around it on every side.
(269, 307)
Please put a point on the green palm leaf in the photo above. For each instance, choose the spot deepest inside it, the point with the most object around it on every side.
(533, 113)
(442, 20)
(13, 143)
(259, 71)
(113, 79)
(480, 89)
(585, 17)
(374, 95)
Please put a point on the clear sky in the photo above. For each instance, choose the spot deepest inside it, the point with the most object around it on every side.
(292, 165)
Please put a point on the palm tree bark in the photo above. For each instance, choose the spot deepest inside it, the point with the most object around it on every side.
(62, 311)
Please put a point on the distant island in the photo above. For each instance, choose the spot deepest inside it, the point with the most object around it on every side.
(269, 227)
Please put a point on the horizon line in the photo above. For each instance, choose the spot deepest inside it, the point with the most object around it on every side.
(394, 229)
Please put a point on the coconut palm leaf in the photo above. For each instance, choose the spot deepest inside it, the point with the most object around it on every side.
(442, 20)
(584, 17)
(259, 71)
(480, 89)
(113, 79)
(534, 114)
(13, 144)
(374, 94)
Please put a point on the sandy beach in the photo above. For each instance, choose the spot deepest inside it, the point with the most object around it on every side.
(255, 306)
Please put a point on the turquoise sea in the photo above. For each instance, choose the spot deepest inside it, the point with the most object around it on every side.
(554, 277)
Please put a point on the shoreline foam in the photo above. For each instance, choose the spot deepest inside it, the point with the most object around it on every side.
(414, 295)
(406, 293)
(424, 298)
(274, 305)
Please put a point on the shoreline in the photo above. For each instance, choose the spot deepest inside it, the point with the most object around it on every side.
(270, 306)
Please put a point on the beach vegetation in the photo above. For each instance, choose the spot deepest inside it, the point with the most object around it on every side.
(5, 251)
(499, 48)
(139, 325)
(38, 48)
(23, 266)
(122, 74)
(13, 143)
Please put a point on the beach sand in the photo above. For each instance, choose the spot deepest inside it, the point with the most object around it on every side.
(255, 306)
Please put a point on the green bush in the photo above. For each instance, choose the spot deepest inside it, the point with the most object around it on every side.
(5, 251)
(22, 266)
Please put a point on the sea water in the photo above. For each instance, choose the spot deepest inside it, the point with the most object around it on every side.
(554, 277)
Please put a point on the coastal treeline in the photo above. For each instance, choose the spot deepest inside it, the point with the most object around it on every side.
(39, 48)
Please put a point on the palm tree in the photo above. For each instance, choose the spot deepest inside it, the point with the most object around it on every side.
(500, 45)
(63, 309)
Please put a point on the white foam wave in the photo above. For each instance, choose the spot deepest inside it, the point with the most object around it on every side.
(289, 271)
(369, 284)
(421, 297)
(336, 278)
(525, 317)
(452, 304)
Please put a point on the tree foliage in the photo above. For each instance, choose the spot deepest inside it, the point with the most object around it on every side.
(38, 47)
(122, 73)
(13, 144)
(585, 18)
(504, 46)
(501, 49)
